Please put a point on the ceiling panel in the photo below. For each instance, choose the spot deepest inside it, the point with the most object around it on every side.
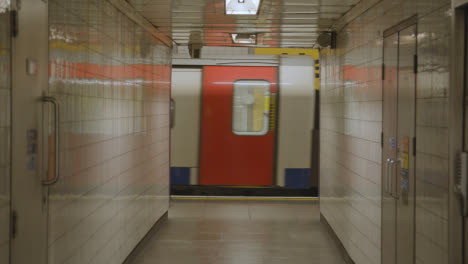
(278, 23)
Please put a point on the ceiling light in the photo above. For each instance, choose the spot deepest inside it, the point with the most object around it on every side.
(242, 7)
(244, 38)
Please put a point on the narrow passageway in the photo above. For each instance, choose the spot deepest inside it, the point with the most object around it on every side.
(241, 232)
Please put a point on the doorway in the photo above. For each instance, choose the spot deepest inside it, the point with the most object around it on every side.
(398, 142)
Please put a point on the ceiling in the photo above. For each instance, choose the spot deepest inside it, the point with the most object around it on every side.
(278, 23)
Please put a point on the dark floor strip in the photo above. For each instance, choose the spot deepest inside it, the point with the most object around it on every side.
(199, 190)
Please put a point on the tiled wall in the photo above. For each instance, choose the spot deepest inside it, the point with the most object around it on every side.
(5, 128)
(112, 79)
(432, 158)
(351, 123)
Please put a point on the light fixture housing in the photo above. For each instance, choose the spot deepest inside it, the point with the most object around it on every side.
(242, 38)
(242, 7)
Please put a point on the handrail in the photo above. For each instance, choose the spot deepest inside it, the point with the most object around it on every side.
(56, 178)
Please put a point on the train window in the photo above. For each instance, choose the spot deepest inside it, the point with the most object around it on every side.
(251, 107)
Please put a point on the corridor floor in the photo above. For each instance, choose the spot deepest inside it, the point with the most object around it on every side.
(241, 232)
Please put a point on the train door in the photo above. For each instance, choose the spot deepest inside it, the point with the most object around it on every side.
(29, 133)
(398, 181)
(236, 140)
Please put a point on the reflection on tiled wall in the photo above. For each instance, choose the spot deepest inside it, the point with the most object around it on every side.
(5, 128)
(351, 123)
(432, 159)
(112, 79)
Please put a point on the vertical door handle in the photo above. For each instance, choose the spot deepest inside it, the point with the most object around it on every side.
(49, 99)
(391, 163)
(387, 180)
(397, 164)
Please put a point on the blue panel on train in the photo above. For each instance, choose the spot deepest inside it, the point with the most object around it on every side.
(297, 178)
(180, 176)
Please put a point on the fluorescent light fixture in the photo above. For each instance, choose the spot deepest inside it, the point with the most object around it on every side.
(244, 38)
(242, 7)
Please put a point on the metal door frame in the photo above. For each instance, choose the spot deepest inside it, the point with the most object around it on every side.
(383, 192)
(10, 151)
(412, 24)
(458, 81)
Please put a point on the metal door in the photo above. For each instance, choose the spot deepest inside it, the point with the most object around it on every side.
(5, 131)
(458, 137)
(398, 181)
(30, 140)
(404, 165)
(389, 93)
(463, 184)
(236, 140)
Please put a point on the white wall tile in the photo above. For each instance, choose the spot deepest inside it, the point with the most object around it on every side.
(113, 80)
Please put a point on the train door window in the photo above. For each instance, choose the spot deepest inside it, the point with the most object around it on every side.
(251, 107)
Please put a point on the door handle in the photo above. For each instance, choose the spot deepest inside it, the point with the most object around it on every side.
(387, 180)
(391, 162)
(49, 99)
(397, 190)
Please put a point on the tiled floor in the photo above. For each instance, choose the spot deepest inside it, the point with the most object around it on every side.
(241, 232)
